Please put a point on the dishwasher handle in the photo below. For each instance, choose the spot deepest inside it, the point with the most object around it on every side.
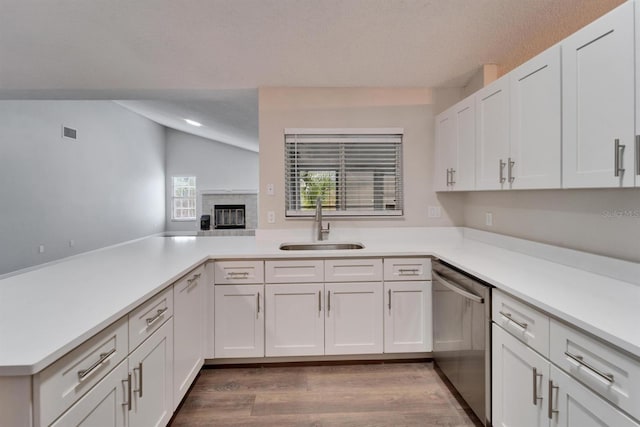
(457, 289)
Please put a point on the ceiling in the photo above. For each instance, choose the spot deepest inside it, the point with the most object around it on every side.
(158, 49)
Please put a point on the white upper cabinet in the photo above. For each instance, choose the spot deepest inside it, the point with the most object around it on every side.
(455, 147)
(535, 144)
(598, 102)
(492, 135)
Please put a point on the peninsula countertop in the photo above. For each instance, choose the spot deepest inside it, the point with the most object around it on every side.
(46, 312)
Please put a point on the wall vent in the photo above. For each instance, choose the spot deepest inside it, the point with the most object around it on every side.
(70, 133)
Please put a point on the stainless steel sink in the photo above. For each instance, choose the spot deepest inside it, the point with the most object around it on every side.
(320, 246)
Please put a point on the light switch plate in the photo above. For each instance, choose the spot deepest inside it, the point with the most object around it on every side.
(488, 219)
(434, 212)
(271, 190)
(271, 217)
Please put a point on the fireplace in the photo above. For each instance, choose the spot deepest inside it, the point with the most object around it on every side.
(227, 217)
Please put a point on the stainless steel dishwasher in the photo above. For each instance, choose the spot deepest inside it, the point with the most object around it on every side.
(462, 335)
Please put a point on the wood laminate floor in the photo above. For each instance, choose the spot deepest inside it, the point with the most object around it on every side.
(372, 395)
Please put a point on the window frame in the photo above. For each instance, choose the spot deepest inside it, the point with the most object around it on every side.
(292, 186)
(174, 198)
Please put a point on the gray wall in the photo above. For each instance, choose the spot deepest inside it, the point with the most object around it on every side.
(602, 221)
(214, 164)
(105, 188)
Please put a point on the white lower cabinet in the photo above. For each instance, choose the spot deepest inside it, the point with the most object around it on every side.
(151, 368)
(519, 377)
(189, 298)
(294, 321)
(239, 321)
(353, 318)
(407, 317)
(105, 405)
(529, 391)
(574, 405)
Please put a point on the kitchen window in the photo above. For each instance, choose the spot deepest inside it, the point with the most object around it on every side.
(355, 172)
(184, 198)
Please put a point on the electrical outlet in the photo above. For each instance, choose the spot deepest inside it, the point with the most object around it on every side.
(434, 212)
(271, 217)
(271, 190)
(488, 219)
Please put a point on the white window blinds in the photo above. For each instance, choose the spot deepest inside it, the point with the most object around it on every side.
(355, 174)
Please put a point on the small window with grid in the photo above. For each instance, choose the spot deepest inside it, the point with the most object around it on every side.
(184, 198)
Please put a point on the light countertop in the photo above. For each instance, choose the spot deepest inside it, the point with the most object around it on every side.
(47, 312)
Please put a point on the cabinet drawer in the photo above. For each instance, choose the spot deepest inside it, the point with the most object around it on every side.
(294, 271)
(353, 270)
(522, 321)
(235, 272)
(62, 383)
(609, 372)
(396, 269)
(148, 317)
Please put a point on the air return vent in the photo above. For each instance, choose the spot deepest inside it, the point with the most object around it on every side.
(69, 133)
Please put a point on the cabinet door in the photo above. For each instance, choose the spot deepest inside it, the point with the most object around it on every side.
(104, 405)
(294, 319)
(189, 325)
(407, 319)
(536, 123)
(519, 383)
(353, 318)
(463, 176)
(151, 366)
(444, 141)
(598, 102)
(239, 320)
(577, 406)
(492, 135)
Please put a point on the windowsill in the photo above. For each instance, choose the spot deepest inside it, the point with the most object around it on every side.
(183, 219)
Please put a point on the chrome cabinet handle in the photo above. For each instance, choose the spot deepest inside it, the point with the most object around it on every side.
(580, 361)
(258, 302)
(319, 300)
(389, 300)
(550, 410)
(453, 171)
(139, 389)
(194, 278)
(448, 177)
(157, 316)
(637, 154)
(328, 301)
(128, 402)
(511, 319)
(83, 373)
(510, 171)
(619, 153)
(408, 271)
(238, 275)
(535, 386)
(502, 165)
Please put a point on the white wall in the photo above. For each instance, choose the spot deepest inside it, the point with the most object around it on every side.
(214, 164)
(602, 221)
(411, 109)
(107, 187)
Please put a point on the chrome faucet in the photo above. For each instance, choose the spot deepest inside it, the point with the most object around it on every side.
(322, 232)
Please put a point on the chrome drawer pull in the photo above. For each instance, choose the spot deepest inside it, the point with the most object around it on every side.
(510, 171)
(158, 315)
(619, 152)
(453, 171)
(194, 278)
(238, 275)
(103, 358)
(408, 271)
(501, 165)
(579, 360)
(511, 319)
